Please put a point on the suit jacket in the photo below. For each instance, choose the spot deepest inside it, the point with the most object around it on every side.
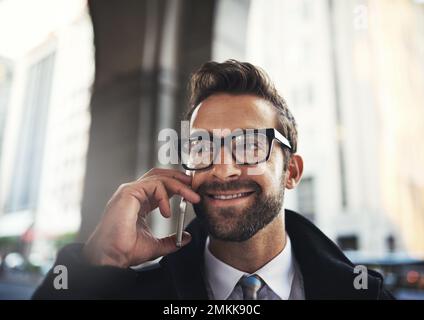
(327, 273)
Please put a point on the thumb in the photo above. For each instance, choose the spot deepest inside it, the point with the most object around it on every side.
(168, 245)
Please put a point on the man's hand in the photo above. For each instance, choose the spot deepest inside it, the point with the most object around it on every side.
(122, 238)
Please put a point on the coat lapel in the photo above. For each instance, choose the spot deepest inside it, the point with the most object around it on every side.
(327, 273)
(186, 266)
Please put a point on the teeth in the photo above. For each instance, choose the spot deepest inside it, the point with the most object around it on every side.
(229, 196)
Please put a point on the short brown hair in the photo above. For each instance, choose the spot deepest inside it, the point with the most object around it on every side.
(235, 77)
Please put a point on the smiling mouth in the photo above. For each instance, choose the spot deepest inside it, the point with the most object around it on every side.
(229, 196)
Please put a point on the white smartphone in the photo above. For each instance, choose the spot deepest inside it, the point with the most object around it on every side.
(180, 224)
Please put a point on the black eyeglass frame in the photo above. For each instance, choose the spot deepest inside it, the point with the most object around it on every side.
(271, 134)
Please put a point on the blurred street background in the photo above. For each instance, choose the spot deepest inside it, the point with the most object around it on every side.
(85, 87)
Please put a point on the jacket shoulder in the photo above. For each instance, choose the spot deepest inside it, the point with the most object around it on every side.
(86, 281)
(327, 272)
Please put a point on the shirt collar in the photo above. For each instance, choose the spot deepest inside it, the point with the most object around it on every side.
(277, 273)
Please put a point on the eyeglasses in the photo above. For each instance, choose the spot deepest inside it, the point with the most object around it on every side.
(247, 146)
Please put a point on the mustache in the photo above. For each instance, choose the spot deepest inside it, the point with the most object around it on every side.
(228, 186)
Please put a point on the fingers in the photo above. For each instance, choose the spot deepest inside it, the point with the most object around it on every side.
(123, 228)
(172, 185)
(156, 187)
(167, 245)
(171, 173)
(159, 192)
(161, 196)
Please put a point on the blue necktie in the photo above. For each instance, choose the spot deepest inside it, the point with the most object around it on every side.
(250, 286)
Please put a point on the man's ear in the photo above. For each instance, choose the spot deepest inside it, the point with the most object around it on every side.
(294, 172)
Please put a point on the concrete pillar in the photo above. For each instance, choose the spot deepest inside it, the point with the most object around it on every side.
(145, 51)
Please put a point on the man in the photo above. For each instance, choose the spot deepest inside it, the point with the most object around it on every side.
(242, 244)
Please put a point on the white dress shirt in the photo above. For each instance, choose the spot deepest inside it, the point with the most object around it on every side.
(277, 274)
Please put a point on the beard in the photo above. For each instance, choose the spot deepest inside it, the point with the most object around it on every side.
(233, 223)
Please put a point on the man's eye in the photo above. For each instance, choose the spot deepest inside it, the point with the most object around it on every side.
(254, 144)
(200, 147)
(250, 146)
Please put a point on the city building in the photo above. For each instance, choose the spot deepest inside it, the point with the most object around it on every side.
(45, 124)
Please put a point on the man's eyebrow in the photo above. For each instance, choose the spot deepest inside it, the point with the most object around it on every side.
(197, 131)
(200, 131)
(209, 131)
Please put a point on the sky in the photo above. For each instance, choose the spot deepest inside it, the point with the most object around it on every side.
(25, 23)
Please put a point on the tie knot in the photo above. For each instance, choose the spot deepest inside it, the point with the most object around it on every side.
(250, 286)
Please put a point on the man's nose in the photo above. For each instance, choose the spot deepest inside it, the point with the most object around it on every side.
(225, 167)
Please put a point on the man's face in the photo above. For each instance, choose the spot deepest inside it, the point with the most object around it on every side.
(235, 205)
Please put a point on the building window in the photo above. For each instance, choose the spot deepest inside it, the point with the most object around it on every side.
(30, 147)
(348, 243)
(391, 243)
(310, 94)
(306, 9)
(306, 197)
(229, 34)
(5, 89)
